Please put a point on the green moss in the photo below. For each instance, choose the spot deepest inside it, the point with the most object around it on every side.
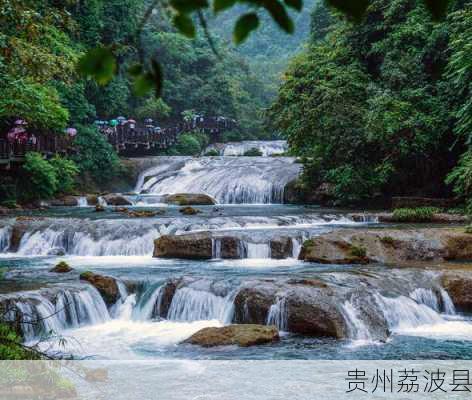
(388, 240)
(212, 153)
(420, 214)
(357, 251)
(308, 243)
(254, 152)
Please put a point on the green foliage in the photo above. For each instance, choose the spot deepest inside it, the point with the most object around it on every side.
(420, 214)
(66, 172)
(39, 178)
(461, 176)
(254, 152)
(153, 108)
(370, 107)
(188, 145)
(357, 251)
(468, 229)
(95, 156)
(212, 153)
(10, 346)
(387, 240)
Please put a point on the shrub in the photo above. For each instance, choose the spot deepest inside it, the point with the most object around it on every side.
(357, 251)
(40, 179)
(212, 153)
(10, 346)
(387, 240)
(188, 145)
(254, 152)
(66, 172)
(420, 214)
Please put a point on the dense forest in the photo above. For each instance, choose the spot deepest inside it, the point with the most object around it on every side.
(383, 107)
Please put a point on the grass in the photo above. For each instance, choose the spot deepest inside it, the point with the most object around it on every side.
(420, 214)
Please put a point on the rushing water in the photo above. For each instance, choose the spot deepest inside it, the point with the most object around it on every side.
(386, 312)
(266, 148)
(230, 180)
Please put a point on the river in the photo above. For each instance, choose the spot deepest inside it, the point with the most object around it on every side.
(386, 312)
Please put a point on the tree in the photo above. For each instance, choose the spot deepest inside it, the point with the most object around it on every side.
(39, 180)
(66, 172)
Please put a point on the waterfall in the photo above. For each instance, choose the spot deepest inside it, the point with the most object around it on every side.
(278, 315)
(426, 297)
(267, 148)
(5, 234)
(82, 201)
(448, 305)
(216, 248)
(44, 313)
(150, 305)
(230, 180)
(357, 328)
(258, 250)
(194, 305)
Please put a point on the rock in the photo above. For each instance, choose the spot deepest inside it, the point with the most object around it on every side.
(106, 285)
(309, 309)
(4, 210)
(121, 209)
(189, 211)
(99, 208)
(189, 199)
(389, 246)
(57, 251)
(92, 199)
(142, 214)
(459, 288)
(414, 202)
(61, 268)
(18, 230)
(231, 248)
(166, 296)
(66, 201)
(196, 246)
(281, 247)
(116, 200)
(240, 335)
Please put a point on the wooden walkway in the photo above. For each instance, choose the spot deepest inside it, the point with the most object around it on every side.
(140, 140)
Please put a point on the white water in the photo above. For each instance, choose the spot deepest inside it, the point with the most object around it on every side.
(357, 329)
(82, 201)
(267, 148)
(278, 315)
(258, 250)
(44, 315)
(230, 180)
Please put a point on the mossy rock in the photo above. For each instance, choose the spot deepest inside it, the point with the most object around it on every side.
(61, 268)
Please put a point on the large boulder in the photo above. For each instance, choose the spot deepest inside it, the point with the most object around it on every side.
(92, 199)
(240, 335)
(231, 248)
(196, 246)
(281, 247)
(189, 211)
(309, 308)
(459, 288)
(106, 285)
(17, 232)
(389, 246)
(189, 199)
(117, 200)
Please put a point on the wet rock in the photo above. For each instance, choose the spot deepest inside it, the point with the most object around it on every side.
(18, 230)
(459, 288)
(240, 335)
(390, 246)
(116, 200)
(310, 309)
(99, 208)
(192, 246)
(92, 200)
(61, 268)
(437, 218)
(231, 248)
(168, 292)
(189, 199)
(142, 214)
(57, 251)
(106, 285)
(281, 248)
(189, 211)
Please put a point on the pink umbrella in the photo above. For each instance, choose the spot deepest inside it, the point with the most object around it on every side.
(131, 121)
(71, 131)
(20, 122)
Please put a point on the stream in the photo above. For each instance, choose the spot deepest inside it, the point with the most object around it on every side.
(387, 312)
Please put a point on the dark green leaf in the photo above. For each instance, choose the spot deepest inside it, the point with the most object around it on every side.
(185, 25)
(244, 26)
(221, 5)
(143, 84)
(295, 4)
(158, 77)
(99, 64)
(352, 8)
(438, 8)
(135, 70)
(279, 14)
(188, 6)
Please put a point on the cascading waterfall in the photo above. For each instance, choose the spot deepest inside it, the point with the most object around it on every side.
(230, 180)
(357, 328)
(43, 313)
(5, 234)
(257, 250)
(267, 148)
(194, 305)
(82, 201)
(278, 315)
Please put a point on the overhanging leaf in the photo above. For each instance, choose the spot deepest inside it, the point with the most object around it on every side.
(295, 4)
(98, 63)
(279, 14)
(221, 5)
(188, 6)
(185, 25)
(352, 8)
(244, 26)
